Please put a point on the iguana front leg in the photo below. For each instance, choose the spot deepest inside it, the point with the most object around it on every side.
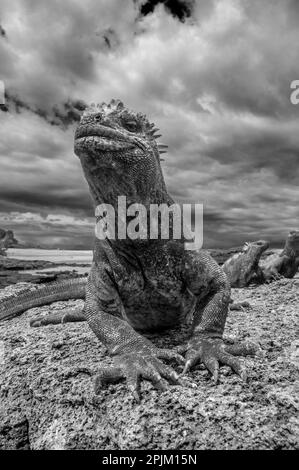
(210, 285)
(135, 357)
(272, 273)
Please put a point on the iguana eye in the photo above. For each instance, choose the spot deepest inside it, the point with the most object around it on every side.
(131, 125)
(97, 117)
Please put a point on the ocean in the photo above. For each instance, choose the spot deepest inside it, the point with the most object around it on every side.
(56, 256)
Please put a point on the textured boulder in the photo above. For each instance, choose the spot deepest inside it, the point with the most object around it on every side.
(7, 239)
(48, 401)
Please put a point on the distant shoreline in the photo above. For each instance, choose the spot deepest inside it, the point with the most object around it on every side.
(70, 257)
(40, 265)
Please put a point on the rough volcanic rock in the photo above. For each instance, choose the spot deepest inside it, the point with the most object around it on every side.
(48, 401)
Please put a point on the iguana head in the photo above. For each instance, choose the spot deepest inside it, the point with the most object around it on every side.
(292, 243)
(250, 256)
(119, 154)
(242, 268)
(252, 251)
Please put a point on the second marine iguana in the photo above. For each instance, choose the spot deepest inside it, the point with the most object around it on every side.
(142, 285)
(243, 268)
(284, 264)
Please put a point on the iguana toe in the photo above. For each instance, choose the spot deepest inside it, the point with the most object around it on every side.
(36, 322)
(240, 305)
(244, 348)
(105, 376)
(168, 354)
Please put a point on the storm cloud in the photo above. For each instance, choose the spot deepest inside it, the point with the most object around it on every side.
(213, 75)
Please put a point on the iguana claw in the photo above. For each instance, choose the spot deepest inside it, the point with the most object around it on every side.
(213, 351)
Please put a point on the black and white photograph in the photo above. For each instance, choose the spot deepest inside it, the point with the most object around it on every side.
(149, 228)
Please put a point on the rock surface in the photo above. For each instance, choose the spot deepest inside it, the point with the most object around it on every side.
(48, 401)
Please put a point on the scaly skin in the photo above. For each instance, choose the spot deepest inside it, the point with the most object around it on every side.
(143, 285)
(284, 264)
(243, 268)
(42, 295)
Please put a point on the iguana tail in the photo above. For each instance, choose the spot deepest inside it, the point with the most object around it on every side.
(42, 295)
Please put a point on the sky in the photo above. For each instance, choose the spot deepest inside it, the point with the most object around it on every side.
(214, 76)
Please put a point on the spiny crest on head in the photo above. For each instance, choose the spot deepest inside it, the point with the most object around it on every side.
(117, 106)
(114, 105)
(245, 247)
(240, 253)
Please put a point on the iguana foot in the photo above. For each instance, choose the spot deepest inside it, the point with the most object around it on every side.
(240, 305)
(58, 317)
(272, 275)
(147, 365)
(213, 351)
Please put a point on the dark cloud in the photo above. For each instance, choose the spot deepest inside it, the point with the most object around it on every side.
(273, 151)
(40, 232)
(180, 9)
(62, 115)
(2, 32)
(77, 203)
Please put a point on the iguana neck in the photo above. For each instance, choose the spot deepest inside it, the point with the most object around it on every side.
(120, 192)
(289, 250)
(107, 185)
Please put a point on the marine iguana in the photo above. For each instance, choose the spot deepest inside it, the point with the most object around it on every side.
(136, 286)
(243, 268)
(284, 264)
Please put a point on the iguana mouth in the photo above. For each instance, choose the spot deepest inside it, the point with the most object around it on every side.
(99, 130)
(105, 138)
